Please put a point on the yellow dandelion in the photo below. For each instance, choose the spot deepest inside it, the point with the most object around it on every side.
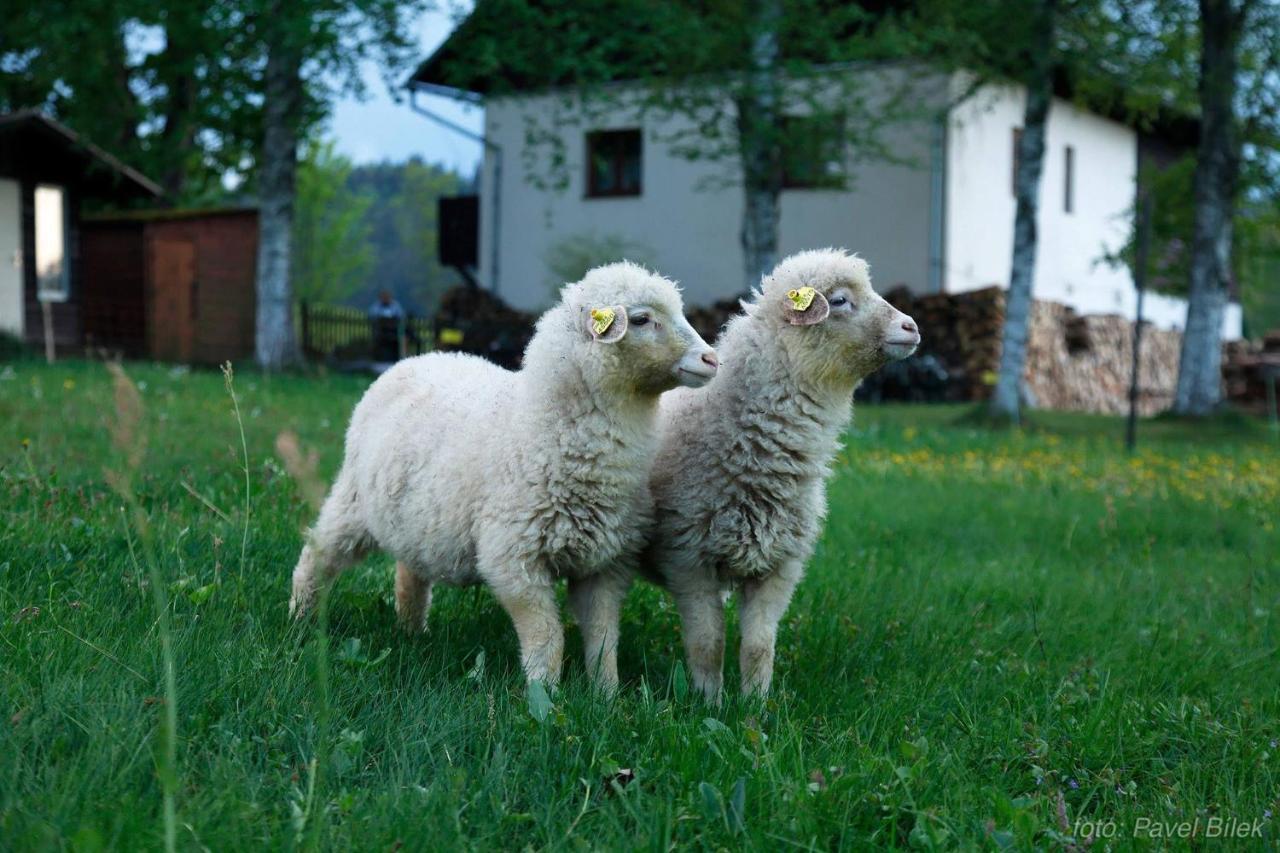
(68, 384)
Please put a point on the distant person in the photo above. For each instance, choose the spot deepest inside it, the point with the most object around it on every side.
(386, 316)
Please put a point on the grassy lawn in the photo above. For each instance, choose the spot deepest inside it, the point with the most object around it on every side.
(1000, 636)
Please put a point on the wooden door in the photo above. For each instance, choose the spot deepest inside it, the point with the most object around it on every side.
(172, 321)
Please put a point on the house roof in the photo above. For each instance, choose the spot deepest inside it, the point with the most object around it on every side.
(26, 138)
(468, 60)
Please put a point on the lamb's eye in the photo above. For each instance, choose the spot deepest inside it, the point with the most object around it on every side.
(640, 320)
(837, 301)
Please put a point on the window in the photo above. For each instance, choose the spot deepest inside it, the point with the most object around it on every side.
(613, 163)
(1069, 179)
(1017, 160)
(52, 273)
(813, 152)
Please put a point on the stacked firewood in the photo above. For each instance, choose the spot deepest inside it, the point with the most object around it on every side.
(475, 321)
(1073, 362)
(1085, 363)
(962, 331)
(476, 305)
(1247, 368)
(708, 321)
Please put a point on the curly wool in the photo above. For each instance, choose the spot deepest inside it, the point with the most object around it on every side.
(469, 473)
(739, 479)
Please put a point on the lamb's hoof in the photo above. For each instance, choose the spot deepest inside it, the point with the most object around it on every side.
(412, 626)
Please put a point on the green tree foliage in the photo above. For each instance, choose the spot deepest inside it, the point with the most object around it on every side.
(402, 219)
(569, 258)
(332, 251)
(176, 89)
(1165, 69)
(164, 86)
(307, 49)
(1257, 266)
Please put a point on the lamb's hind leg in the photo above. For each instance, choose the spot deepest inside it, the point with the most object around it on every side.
(413, 599)
(338, 540)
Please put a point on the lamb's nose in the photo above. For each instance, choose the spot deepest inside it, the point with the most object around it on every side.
(909, 325)
(710, 360)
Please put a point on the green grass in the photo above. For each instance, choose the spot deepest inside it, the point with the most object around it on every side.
(991, 619)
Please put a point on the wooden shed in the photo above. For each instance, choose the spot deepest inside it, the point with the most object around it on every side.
(47, 172)
(171, 285)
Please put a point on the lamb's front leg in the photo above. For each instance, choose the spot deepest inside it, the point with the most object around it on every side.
(763, 603)
(531, 603)
(700, 600)
(597, 603)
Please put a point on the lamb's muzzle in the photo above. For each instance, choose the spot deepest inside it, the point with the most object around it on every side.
(902, 337)
(699, 364)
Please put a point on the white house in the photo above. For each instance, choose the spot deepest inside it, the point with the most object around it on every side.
(937, 219)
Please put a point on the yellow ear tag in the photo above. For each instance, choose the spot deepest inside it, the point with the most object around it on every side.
(601, 320)
(802, 298)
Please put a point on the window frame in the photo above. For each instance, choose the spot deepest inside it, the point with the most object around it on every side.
(617, 162)
(63, 292)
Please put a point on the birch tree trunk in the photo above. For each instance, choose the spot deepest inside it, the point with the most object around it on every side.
(1199, 389)
(1006, 400)
(275, 346)
(759, 144)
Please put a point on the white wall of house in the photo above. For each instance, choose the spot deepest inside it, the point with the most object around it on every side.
(941, 218)
(1069, 261)
(689, 214)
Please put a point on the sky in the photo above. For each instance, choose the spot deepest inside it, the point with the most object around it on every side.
(377, 128)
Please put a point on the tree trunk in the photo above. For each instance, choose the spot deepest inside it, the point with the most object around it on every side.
(1006, 400)
(179, 134)
(275, 346)
(1199, 389)
(758, 142)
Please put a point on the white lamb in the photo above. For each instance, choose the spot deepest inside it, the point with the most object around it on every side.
(469, 473)
(739, 481)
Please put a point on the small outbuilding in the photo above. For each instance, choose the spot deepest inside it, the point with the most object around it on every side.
(171, 285)
(47, 173)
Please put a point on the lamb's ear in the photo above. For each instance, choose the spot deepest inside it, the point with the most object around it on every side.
(607, 324)
(805, 306)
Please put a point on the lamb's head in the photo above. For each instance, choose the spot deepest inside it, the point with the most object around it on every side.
(631, 327)
(832, 323)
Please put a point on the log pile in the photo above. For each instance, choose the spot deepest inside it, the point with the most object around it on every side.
(1083, 363)
(708, 321)
(962, 331)
(473, 320)
(1245, 370)
(1074, 362)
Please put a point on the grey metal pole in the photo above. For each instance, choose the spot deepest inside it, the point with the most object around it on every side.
(1269, 376)
(1140, 282)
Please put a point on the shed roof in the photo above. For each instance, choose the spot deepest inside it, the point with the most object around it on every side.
(30, 141)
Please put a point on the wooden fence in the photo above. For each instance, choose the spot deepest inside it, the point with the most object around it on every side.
(339, 333)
